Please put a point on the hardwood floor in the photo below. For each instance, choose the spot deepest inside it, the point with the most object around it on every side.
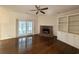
(35, 45)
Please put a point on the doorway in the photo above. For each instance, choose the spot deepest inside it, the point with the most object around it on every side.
(25, 27)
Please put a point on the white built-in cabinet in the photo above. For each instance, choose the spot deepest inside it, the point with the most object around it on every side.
(68, 29)
(69, 24)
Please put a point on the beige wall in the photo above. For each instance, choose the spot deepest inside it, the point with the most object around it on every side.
(48, 20)
(8, 22)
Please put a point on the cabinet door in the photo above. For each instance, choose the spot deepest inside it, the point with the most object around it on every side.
(70, 39)
(62, 36)
(76, 40)
(58, 35)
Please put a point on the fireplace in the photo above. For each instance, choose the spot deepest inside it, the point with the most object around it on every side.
(46, 31)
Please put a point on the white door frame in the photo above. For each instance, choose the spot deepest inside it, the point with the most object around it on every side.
(23, 20)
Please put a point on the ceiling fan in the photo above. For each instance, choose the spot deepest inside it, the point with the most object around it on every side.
(38, 9)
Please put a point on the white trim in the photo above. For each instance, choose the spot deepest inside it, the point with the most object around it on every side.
(67, 24)
(73, 14)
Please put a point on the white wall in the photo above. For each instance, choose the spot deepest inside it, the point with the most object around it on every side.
(8, 22)
(48, 20)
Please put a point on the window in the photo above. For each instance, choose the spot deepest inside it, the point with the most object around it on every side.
(29, 27)
(24, 27)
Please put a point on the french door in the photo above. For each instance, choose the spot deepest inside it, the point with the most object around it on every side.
(24, 27)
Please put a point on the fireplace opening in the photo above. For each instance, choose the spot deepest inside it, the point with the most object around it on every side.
(46, 31)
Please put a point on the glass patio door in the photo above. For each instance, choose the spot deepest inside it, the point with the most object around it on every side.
(24, 27)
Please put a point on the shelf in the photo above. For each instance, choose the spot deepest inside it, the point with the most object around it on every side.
(74, 21)
(73, 25)
(62, 22)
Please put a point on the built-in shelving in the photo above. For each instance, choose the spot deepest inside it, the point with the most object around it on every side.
(69, 24)
(74, 24)
(62, 24)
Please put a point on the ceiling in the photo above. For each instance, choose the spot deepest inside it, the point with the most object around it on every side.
(52, 9)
